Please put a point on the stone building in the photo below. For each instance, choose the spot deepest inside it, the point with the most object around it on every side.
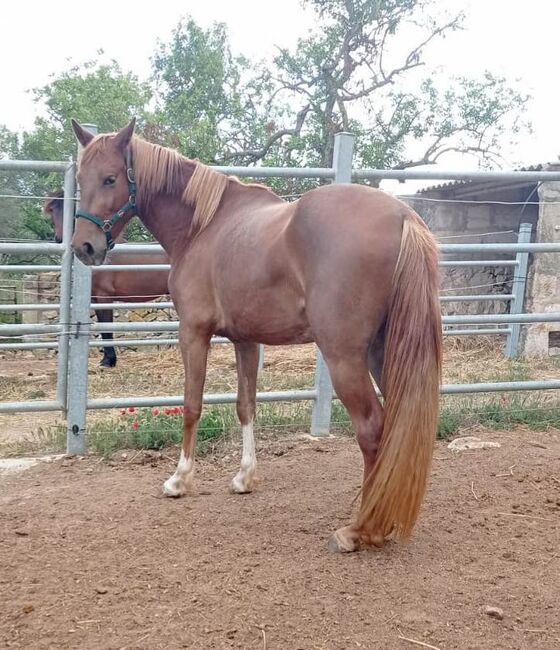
(491, 212)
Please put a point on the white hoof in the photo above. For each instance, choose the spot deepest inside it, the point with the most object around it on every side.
(174, 487)
(242, 483)
(178, 484)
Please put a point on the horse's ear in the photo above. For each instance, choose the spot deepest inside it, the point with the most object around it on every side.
(48, 208)
(124, 136)
(83, 136)
(53, 203)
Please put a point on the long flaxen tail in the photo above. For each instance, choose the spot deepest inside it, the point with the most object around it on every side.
(394, 491)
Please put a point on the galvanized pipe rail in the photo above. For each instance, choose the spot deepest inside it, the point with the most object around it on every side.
(160, 341)
(269, 396)
(173, 326)
(42, 306)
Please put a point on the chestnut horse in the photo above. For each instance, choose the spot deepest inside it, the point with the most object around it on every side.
(111, 286)
(348, 267)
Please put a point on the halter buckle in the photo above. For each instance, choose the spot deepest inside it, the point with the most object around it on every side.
(107, 225)
(130, 175)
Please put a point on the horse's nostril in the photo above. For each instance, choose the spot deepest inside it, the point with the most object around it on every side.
(88, 248)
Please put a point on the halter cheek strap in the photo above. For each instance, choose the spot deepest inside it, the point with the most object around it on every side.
(106, 225)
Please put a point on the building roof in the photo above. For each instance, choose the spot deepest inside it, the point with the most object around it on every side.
(452, 185)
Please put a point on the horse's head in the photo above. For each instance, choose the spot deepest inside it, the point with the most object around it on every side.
(107, 192)
(53, 208)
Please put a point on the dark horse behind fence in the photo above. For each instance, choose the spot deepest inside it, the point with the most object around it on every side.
(346, 266)
(115, 286)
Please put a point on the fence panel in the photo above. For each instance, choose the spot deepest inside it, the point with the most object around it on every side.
(74, 327)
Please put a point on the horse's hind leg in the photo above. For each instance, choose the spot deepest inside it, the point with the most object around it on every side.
(352, 383)
(247, 356)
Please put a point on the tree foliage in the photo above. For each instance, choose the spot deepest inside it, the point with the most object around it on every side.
(101, 94)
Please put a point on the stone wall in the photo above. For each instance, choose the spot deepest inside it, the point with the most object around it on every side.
(10, 293)
(44, 288)
(544, 276)
(477, 213)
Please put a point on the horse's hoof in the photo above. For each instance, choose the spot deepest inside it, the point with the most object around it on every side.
(108, 364)
(174, 488)
(344, 540)
(241, 484)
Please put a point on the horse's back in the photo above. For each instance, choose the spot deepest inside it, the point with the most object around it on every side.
(132, 285)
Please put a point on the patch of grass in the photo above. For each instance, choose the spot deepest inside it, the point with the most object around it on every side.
(47, 440)
(340, 420)
(449, 422)
(501, 412)
(283, 416)
(154, 429)
(518, 370)
(525, 411)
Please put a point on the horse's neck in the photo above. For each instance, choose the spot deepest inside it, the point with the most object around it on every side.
(169, 220)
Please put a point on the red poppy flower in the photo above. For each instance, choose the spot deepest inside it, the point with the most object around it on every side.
(135, 425)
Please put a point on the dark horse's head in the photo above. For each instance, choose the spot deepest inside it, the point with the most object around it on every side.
(107, 192)
(54, 208)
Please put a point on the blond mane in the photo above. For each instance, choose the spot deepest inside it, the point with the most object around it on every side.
(162, 170)
(204, 191)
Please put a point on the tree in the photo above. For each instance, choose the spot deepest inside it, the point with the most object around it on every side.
(358, 72)
(10, 225)
(93, 92)
(210, 104)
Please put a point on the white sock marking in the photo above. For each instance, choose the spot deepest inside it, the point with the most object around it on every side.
(243, 481)
(177, 485)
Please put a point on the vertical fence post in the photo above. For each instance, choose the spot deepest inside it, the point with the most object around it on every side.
(261, 358)
(322, 407)
(65, 286)
(518, 290)
(78, 350)
(78, 360)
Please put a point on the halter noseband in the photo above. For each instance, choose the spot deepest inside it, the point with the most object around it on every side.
(106, 225)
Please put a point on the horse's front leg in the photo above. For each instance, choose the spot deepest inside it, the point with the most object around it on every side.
(194, 349)
(247, 357)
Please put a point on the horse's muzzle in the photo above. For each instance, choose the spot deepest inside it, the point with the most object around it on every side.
(88, 255)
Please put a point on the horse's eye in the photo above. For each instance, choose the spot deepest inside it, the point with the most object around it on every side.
(110, 180)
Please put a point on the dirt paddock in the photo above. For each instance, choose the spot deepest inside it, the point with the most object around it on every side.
(92, 557)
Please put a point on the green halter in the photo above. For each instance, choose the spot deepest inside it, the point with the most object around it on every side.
(106, 225)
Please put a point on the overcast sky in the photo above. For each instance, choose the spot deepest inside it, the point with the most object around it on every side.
(512, 37)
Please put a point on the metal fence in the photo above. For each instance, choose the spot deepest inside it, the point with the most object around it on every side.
(73, 329)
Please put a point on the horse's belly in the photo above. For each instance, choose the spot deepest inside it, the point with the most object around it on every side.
(268, 322)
